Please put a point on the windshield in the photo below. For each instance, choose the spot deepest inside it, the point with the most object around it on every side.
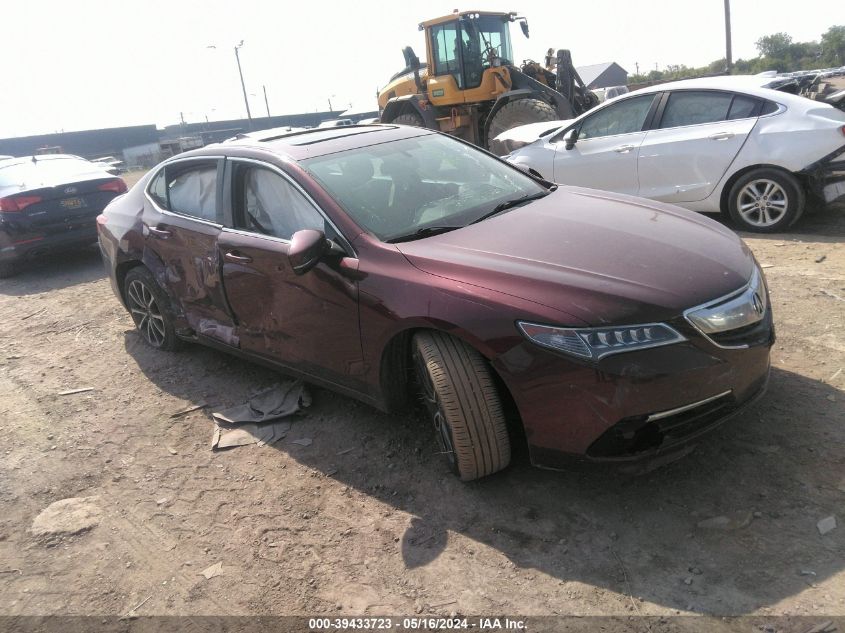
(404, 187)
(483, 39)
(45, 171)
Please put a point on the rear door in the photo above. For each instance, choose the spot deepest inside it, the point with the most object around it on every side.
(698, 135)
(182, 222)
(605, 154)
(308, 322)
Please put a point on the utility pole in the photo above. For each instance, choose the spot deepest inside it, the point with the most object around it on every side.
(243, 85)
(330, 105)
(637, 64)
(266, 103)
(728, 53)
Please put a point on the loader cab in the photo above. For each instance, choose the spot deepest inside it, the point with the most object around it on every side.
(461, 48)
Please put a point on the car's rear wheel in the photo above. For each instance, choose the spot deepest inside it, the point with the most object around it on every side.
(766, 201)
(460, 396)
(150, 310)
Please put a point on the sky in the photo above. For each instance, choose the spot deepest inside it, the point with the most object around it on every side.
(87, 64)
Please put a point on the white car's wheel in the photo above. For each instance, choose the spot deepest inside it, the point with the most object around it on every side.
(766, 201)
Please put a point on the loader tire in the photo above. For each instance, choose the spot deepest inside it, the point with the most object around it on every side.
(519, 112)
(409, 118)
(459, 392)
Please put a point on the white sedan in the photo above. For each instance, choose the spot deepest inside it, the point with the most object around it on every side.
(719, 144)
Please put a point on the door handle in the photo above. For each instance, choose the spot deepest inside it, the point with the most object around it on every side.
(623, 149)
(159, 233)
(234, 256)
(721, 136)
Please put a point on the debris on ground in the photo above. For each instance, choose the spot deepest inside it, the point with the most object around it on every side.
(215, 570)
(303, 441)
(820, 259)
(67, 517)
(735, 521)
(255, 422)
(191, 409)
(826, 525)
(70, 392)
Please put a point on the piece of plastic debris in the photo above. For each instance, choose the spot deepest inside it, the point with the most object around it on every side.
(215, 570)
(346, 450)
(70, 392)
(303, 441)
(826, 525)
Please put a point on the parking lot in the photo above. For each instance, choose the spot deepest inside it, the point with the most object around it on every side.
(366, 519)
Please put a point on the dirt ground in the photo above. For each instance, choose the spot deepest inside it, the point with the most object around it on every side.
(367, 519)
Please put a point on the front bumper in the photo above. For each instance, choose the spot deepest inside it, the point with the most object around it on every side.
(636, 405)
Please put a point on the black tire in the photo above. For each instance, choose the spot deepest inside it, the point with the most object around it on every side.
(519, 112)
(766, 200)
(461, 397)
(9, 269)
(150, 310)
(409, 118)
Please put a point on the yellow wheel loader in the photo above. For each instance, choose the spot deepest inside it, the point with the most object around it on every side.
(470, 86)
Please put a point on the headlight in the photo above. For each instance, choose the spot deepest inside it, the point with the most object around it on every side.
(596, 343)
(744, 307)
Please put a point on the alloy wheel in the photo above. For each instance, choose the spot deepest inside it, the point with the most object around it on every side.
(762, 202)
(146, 313)
(435, 410)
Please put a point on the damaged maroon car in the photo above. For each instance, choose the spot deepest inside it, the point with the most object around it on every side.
(381, 261)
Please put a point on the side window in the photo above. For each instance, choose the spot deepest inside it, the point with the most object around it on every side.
(445, 40)
(158, 190)
(743, 107)
(623, 117)
(696, 108)
(192, 189)
(270, 205)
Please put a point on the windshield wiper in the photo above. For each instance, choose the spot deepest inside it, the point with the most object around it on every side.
(508, 204)
(424, 232)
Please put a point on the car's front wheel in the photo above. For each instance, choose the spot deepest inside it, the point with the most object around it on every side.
(460, 396)
(766, 201)
(149, 308)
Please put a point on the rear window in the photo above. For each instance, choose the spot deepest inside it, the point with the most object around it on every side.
(695, 108)
(48, 171)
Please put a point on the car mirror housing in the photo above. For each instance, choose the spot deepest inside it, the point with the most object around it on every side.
(307, 247)
(570, 138)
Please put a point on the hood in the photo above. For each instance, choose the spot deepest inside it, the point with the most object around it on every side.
(598, 257)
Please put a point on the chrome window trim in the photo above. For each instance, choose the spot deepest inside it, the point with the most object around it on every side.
(269, 238)
(175, 214)
(756, 275)
(347, 245)
(686, 407)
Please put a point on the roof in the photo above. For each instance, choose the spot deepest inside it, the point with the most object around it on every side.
(322, 141)
(592, 72)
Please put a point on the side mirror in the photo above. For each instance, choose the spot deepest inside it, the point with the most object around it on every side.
(523, 24)
(307, 247)
(570, 138)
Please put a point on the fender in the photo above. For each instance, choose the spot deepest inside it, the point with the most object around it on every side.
(410, 103)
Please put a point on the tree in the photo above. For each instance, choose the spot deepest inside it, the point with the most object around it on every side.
(833, 46)
(775, 46)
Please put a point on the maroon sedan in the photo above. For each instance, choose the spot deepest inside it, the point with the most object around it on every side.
(378, 260)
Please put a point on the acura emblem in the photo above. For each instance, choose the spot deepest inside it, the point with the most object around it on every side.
(757, 302)
(70, 189)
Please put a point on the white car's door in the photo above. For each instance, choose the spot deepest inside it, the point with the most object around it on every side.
(699, 134)
(605, 153)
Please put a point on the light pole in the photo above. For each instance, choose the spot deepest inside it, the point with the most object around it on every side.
(266, 103)
(243, 85)
(728, 53)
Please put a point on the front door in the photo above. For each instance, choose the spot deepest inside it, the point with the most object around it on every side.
(308, 322)
(605, 154)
